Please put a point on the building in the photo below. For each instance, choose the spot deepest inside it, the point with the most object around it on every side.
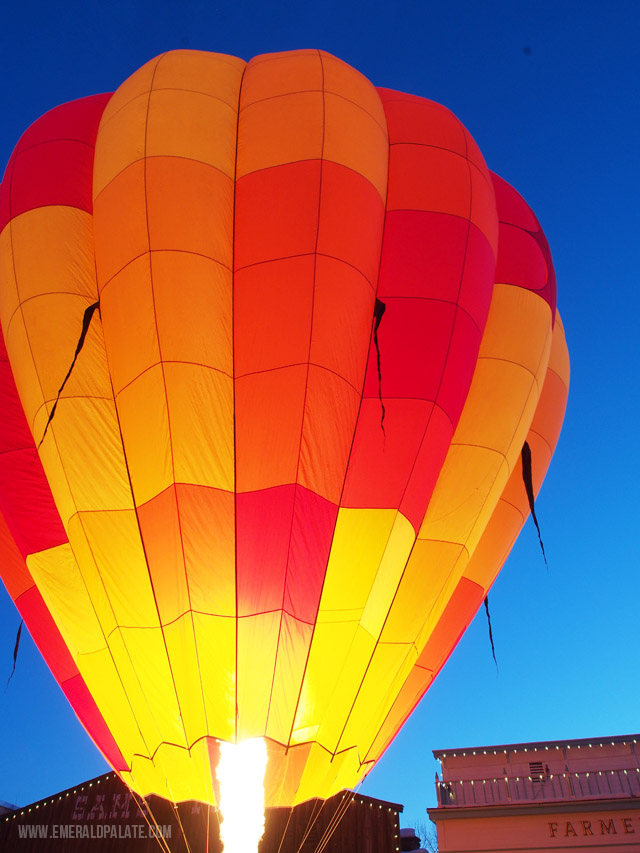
(103, 816)
(580, 795)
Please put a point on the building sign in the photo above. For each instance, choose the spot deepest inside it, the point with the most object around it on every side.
(580, 828)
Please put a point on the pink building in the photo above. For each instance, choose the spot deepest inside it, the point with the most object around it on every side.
(580, 795)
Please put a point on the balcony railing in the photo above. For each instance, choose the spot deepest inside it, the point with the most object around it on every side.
(608, 784)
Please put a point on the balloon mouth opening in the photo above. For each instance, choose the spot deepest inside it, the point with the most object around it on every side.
(240, 775)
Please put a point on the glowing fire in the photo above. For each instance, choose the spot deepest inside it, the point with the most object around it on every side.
(241, 778)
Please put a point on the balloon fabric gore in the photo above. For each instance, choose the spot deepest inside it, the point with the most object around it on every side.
(275, 339)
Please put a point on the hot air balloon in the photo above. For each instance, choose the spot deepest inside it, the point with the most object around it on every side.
(275, 341)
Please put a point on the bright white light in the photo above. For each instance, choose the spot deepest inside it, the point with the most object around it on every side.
(241, 778)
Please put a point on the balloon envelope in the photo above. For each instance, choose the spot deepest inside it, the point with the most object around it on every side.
(275, 341)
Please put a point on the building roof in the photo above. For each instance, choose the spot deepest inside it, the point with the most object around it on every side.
(541, 744)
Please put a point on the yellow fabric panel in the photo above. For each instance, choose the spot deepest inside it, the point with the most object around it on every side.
(216, 642)
(459, 498)
(201, 420)
(344, 682)
(67, 596)
(56, 239)
(286, 766)
(185, 666)
(147, 651)
(293, 645)
(98, 598)
(188, 770)
(55, 573)
(389, 666)
(257, 650)
(85, 433)
(391, 568)
(144, 421)
(102, 674)
(424, 575)
(147, 719)
(94, 477)
(197, 327)
(370, 548)
(359, 542)
(112, 540)
(53, 324)
(324, 773)
(331, 647)
(286, 118)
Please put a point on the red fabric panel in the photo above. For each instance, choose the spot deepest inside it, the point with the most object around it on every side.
(430, 122)
(15, 575)
(284, 536)
(380, 460)
(351, 235)
(87, 711)
(314, 520)
(53, 649)
(46, 635)
(26, 501)
(524, 258)
(53, 161)
(436, 280)
(277, 213)
(460, 610)
(414, 340)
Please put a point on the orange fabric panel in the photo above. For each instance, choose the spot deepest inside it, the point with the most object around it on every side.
(513, 507)
(268, 437)
(15, 575)
(331, 409)
(179, 212)
(274, 302)
(208, 540)
(458, 613)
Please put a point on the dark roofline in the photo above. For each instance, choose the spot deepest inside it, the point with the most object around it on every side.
(97, 780)
(540, 744)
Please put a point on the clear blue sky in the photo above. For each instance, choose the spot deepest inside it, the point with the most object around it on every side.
(549, 91)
